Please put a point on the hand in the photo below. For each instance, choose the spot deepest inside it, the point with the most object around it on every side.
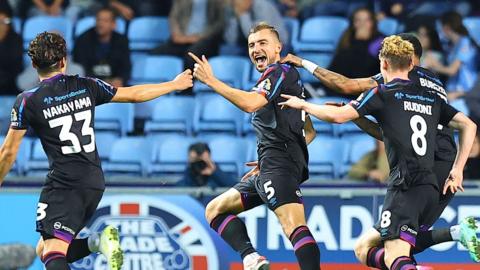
(202, 71)
(254, 171)
(376, 175)
(184, 80)
(292, 59)
(292, 102)
(125, 11)
(454, 181)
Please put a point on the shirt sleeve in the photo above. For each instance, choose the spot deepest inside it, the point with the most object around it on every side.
(17, 116)
(368, 103)
(269, 84)
(101, 91)
(378, 78)
(447, 112)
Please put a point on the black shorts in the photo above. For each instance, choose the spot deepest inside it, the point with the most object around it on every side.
(277, 184)
(62, 213)
(404, 211)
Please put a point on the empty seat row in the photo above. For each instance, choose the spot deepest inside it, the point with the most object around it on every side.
(167, 155)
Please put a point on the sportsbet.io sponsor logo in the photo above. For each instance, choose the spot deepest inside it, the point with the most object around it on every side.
(154, 234)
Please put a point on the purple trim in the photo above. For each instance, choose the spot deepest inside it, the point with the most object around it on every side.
(224, 224)
(397, 261)
(299, 230)
(53, 77)
(408, 267)
(52, 255)
(63, 236)
(378, 256)
(424, 228)
(408, 238)
(304, 241)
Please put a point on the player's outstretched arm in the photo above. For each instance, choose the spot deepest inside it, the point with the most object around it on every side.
(327, 113)
(245, 101)
(146, 92)
(330, 79)
(310, 132)
(9, 150)
(369, 127)
(467, 129)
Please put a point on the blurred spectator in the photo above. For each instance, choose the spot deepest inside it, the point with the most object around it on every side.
(11, 55)
(432, 48)
(244, 14)
(408, 9)
(154, 8)
(372, 166)
(102, 52)
(6, 7)
(342, 8)
(360, 43)
(472, 167)
(289, 8)
(196, 26)
(81, 8)
(202, 171)
(29, 8)
(126, 8)
(472, 100)
(462, 55)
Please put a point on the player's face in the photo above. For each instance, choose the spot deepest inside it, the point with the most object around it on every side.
(264, 49)
(4, 24)
(105, 23)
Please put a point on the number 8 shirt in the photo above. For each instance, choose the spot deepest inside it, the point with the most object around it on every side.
(61, 111)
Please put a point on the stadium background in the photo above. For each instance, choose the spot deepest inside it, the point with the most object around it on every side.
(143, 162)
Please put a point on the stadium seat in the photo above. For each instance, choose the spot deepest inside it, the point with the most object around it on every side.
(359, 146)
(229, 69)
(388, 26)
(155, 69)
(23, 155)
(170, 155)
(321, 59)
(214, 113)
(104, 142)
(37, 164)
(145, 33)
(250, 78)
(5, 110)
(247, 127)
(460, 105)
(325, 157)
(116, 117)
(38, 24)
(230, 153)
(129, 156)
(293, 27)
(17, 25)
(172, 114)
(88, 22)
(320, 34)
(473, 26)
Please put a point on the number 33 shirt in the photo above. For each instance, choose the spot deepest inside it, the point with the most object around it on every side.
(61, 112)
(408, 116)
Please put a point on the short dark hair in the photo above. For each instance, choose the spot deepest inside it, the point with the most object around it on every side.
(264, 26)
(46, 50)
(107, 9)
(417, 46)
(199, 148)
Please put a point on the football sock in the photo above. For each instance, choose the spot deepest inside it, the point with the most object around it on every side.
(77, 250)
(233, 231)
(376, 258)
(55, 261)
(403, 263)
(306, 248)
(426, 239)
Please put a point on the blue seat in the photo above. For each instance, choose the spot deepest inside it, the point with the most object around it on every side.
(473, 26)
(293, 28)
(116, 117)
(23, 155)
(229, 69)
(129, 156)
(214, 113)
(5, 110)
(388, 26)
(37, 164)
(247, 127)
(230, 153)
(104, 142)
(250, 78)
(321, 59)
(325, 157)
(172, 114)
(155, 69)
(460, 105)
(170, 155)
(17, 25)
(320, 34)
(88, 22)
(359, 146)
(145, 33)
(38, 24)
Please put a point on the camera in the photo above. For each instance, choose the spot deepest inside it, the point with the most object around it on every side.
(198, 166)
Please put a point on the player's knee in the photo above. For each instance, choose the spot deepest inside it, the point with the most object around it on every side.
(39, 249)
(212, 210)
(54, 245)
(361, 249)
(390, 256)
(289, 225)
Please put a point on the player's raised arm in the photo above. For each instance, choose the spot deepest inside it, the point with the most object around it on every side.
(310, 132)
(246, 101)
(9, 150)
(146, 92)
(332, 80)
(467, 129)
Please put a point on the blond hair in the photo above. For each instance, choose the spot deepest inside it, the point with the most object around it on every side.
(264, 26)
(397, 51)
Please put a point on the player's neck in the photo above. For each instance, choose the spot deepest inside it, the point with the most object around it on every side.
(396, 75)
(49, 75)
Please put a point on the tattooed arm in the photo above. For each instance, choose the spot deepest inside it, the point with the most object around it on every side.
(334, 80)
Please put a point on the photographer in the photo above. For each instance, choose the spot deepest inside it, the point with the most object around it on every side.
(202, 171)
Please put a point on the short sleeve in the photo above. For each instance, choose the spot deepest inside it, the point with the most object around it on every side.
(447, 112)
(103, 92)
(378, 78)
(17, 116)
(465, 51)
(368, 102)
(269, 84)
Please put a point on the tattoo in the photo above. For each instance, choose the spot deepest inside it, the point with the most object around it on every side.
(330, 79)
